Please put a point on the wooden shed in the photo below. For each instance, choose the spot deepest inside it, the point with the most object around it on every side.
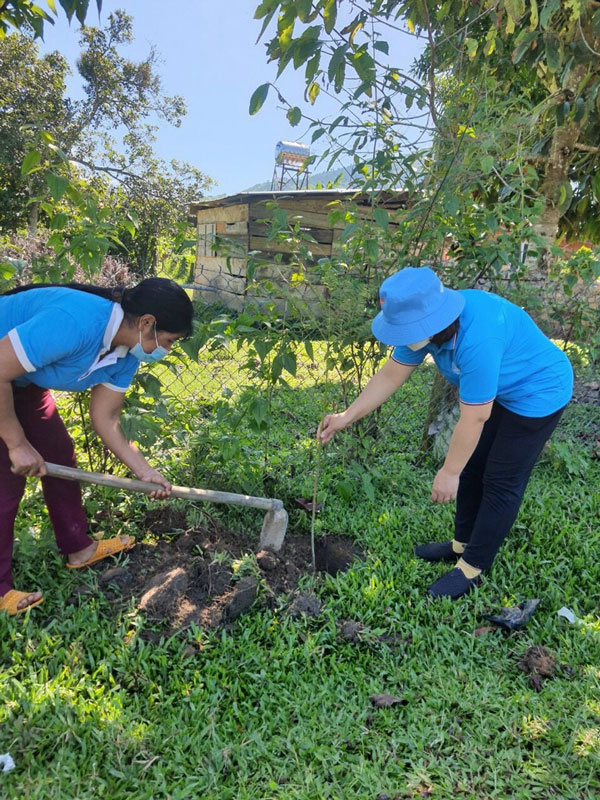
(232, 229)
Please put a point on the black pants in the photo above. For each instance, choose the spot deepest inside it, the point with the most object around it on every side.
(493, 482)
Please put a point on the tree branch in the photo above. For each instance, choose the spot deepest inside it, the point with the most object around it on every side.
(432, 110)
(587, 148)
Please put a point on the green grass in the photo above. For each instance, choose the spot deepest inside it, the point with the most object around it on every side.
(279, 708)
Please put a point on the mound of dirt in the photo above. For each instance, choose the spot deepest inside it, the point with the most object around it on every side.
(209, 577)
(538, 663)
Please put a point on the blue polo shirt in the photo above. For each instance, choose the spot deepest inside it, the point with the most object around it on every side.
(500, 354)
(62, 338)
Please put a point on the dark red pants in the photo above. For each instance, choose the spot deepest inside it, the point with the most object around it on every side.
(44, 429)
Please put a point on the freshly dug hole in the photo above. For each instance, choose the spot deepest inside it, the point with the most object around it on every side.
(191, 578)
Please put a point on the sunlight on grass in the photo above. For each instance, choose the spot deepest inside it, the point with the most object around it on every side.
(97, 701)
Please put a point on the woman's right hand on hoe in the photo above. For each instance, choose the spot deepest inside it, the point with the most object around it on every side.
(331, 424)
(26, 460)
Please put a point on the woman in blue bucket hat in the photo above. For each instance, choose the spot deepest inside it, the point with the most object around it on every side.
(513, 385)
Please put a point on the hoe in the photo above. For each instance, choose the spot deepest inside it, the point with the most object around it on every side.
(274, 524)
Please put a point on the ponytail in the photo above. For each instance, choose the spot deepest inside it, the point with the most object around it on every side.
(163, 298)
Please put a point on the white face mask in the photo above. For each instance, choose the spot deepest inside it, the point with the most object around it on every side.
(418, 345)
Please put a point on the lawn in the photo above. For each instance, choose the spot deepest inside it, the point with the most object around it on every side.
(278, 707)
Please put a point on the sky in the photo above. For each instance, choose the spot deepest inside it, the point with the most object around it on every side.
(209, 55)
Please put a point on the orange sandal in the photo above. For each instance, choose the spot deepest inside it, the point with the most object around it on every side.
(106, 547)
(10, 601)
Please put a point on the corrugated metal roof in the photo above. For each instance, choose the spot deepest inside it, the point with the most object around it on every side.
(386, 199)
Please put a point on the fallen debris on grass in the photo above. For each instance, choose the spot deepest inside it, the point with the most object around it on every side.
(514, 617)
(387, 700)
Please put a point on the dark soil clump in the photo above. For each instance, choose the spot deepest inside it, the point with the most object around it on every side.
(538, 663)
(209, 577)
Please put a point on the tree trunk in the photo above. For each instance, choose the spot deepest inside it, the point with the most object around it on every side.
(32, 221)
(442, 415)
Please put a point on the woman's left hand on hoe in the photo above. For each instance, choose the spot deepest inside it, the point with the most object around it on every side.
(445, 487)
(154, 476)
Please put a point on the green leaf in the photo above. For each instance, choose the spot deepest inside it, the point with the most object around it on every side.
(74, 195)
(371, 249)
(382, 46)
(288, 360)
(451, 204)
(339, 77)
(349, 231)
(553, 58)
(471, 45)
(60, 153)
(263, 348)
(491, 222)
(57, 185)
(565, 196)
(338, 57)
(303, 9)
(515, 9)
(365, 66)
(58, 222)
(129, 226)
(265, 25)
(367, 486)
(266, 7)
(30, 161)
(56, 241)
(312, 66)
(309, 349)
(535, 17)
(487, 164)
(548, 11)
(190, 348)
(259, 408)
(258, 98)
(330, 15)
(596, 23)
(523, 43)
(294, 115)
(81, 10)
(490, 42)
(7, 270)
(68, 7)
(280, 218)
(307, 45)
(380, 215)
(579, 109)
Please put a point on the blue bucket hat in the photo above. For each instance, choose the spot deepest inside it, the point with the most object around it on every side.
(415, 305)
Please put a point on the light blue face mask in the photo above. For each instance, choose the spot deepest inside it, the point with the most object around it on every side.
(156, 355)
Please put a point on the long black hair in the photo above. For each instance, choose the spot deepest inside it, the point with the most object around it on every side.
(163, 298)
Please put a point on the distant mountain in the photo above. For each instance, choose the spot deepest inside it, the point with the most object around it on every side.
(339, 178)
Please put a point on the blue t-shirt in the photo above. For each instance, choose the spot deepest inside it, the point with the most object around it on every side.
(500, 354)
(62, 338)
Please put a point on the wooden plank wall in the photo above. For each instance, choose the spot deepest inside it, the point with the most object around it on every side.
(227, 276)
(244, 228)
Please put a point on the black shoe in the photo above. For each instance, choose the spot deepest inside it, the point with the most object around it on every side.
(437, 551)
(453, 584)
